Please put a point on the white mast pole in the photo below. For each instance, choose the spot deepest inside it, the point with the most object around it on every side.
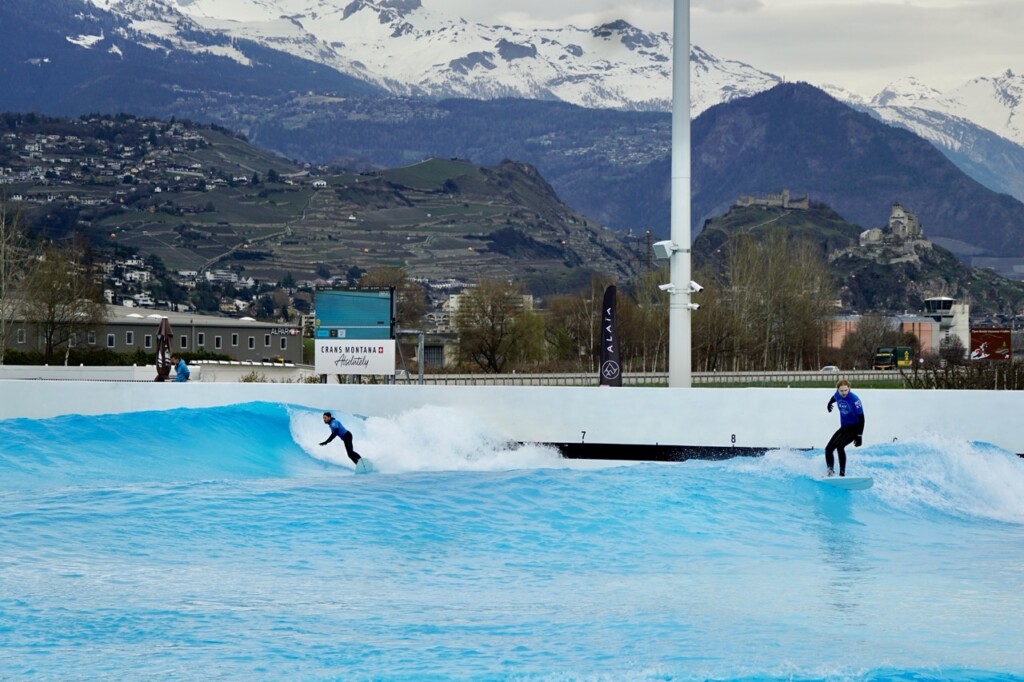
(680, 362)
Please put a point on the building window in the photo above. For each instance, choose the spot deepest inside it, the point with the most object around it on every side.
(216, 343)
(21, 336)
(234, 339)
(111, 342)
(147, 341)
(201, 341)
(433, 356)
(91, 338)
(252, 342)
(266, 340)
(129, 338)
(284, 343)
(183, 342)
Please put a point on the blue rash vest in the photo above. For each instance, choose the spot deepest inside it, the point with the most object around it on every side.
(337, 429)
(850, 409)
(181, 372)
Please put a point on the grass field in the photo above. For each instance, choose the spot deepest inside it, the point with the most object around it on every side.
(431, 174)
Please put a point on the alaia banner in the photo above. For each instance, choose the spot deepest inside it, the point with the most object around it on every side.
(611, 370)
(340, 356)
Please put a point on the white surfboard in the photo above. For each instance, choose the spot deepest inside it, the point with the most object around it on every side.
(364, 466)
(848, 482)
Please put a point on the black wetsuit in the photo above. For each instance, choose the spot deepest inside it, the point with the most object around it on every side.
(346, 437)
(840, 439)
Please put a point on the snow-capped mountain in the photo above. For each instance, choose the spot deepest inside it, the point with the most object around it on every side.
(987, 157)
(979, 125)
(992, 103)
(405, 48)
(408, 49)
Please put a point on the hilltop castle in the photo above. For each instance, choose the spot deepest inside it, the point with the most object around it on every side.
(903, 227)
(897, 241)
(782, 199)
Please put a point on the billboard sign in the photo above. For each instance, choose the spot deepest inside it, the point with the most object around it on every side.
(357, 313)
(991, 344)
(346, 356)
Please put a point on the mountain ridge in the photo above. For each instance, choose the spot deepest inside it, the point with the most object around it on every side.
(156, 59)
(199, 198)
(407, 49)
(765, 143)
(847, 159)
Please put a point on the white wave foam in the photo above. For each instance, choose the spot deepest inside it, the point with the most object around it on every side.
(424, 439)
(958, 477)
(955, 477)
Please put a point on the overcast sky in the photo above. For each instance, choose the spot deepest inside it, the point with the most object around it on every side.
(862, 45)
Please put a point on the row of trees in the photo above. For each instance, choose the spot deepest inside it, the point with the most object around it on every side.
(768, 309)
(50, 288)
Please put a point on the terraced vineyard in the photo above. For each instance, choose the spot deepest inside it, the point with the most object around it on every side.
(435, 219)
(201, 198)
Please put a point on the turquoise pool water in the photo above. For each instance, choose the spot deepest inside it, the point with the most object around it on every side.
(226, 544)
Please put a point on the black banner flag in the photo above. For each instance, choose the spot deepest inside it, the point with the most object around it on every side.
(611, 370)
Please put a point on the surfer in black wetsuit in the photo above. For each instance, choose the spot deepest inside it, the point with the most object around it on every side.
(337, 430)
(851, 425)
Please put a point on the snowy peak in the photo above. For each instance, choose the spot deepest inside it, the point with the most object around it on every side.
(906, 92)
(714, 80)
(408, 49)
(992, 103)
(388, 12)
(631, 37)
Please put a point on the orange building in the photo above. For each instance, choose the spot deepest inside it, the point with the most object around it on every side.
(926, 330)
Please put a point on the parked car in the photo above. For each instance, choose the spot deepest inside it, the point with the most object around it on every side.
(829, 368)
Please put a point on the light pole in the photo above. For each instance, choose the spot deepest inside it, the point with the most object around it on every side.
(677, 250)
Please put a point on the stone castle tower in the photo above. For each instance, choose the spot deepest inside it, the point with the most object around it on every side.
(903, 232)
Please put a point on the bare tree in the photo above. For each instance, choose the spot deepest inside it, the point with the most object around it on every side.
(873, 330)
(573, 325)
(643, 323)
(714, 327)
(807, 305)
(62, 299)
(952, 350)
(768, 310)
(494, 331)
(567, 331)
(15, 261)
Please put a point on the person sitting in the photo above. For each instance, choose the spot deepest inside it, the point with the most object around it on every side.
(180, 368)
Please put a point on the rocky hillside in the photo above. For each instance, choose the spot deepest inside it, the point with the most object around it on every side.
(892, 276)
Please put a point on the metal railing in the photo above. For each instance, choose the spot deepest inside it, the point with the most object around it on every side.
(652, 378)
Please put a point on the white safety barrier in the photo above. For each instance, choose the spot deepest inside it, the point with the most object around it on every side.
(751, 417)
